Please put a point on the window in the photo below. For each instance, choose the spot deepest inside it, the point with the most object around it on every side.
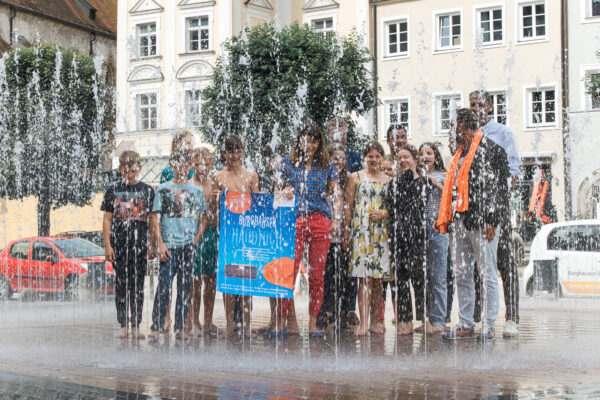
(146, 39)
(593, 96)
(445, 106)
(490, 26)
(449, 32)
(595, 11)
(574, 238)
(41, 251)
(192, 107)
(323, 26)
(532, 20)
(397, 112)
(198, 34)
(396, 37)
(498, 112)
(147, 111)
(542, 107)
(20, 250)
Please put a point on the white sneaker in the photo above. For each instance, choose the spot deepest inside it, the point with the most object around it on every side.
(511, 329)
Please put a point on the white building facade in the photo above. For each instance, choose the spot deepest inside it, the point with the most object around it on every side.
(584, 107)
(167, 50)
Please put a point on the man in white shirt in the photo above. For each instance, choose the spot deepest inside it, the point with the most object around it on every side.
(481, 103)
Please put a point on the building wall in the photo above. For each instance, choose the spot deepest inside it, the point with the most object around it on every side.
(35, 29)
(584, 121)
(510, 66)
(174, 70)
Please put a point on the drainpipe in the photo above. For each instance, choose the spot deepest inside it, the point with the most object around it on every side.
(376, 114)
(12, 14)
(564, 24)
(92, 43)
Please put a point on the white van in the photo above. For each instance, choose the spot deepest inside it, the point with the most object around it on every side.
(565, 257)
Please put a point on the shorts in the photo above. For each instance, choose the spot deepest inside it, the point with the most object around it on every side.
(206, 252)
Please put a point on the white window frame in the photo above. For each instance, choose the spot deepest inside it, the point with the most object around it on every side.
(528, 113)
(437, 99)
(199, 28)
(310, 16)
(386, 115)
(189, 123)
(495, 93)
(519, 19)
(586, 12)
(385, 23)
(138, 116)
(586, 98)
(437, 48)
(138, 37)
(477, 33)
(182, 33)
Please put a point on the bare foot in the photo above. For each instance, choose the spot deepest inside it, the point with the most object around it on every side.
(196, 331)
(426, 326)
(137, 334)
(292, 328)
(435, 330)
(249, 333)
(377, 329)
(182, 336)
(230, 330)
(210, 330)
(353, 318)
(266, 328)
(153, 336)
(122, 334)
(404, 328)
(362, 331)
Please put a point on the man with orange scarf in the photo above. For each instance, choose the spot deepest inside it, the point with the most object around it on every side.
(472, 203)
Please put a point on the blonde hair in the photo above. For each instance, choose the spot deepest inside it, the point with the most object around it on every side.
(179, 138)
(203, 152)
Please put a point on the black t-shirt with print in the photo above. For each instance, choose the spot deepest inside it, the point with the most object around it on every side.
(131, 206)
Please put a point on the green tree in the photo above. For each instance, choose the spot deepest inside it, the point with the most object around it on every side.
(55, 114)
(273, 80)
(593, 87)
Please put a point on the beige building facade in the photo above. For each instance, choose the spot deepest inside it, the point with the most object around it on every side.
(430, 55)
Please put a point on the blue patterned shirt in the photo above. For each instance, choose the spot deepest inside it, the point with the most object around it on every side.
(310, 187)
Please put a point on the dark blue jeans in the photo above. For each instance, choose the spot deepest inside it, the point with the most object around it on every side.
(180, 262)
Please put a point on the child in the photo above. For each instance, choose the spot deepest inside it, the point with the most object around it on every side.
(181, 207)
(126, 207)
(235, 177)
(206, 252)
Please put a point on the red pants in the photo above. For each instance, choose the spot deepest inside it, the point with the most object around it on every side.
(311, 230)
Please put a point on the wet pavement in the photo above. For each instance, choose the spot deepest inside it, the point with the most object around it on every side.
(54, 349)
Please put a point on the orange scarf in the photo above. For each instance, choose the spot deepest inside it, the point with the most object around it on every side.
(462, 199)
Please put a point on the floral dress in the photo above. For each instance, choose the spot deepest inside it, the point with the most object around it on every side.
(370, 255)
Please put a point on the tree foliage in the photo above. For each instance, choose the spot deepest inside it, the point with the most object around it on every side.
(55, 110)
(593, 87)
(273, 80)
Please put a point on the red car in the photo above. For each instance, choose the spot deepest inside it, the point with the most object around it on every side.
(54, 264)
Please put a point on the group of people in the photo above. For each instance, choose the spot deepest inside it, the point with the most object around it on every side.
(367, 222)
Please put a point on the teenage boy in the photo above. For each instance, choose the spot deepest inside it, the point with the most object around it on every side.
(234, 177)
(180, 206)
(126, 207)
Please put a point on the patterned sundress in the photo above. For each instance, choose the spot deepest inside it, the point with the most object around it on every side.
(370, 254)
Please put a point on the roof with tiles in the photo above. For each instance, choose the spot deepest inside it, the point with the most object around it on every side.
(73, 12)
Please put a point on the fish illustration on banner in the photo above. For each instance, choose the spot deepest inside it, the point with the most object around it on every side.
(256, 245)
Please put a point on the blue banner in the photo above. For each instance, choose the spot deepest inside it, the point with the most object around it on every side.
(256, 245)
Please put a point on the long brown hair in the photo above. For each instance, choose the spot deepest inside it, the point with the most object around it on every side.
(322, 155)
(438, 161)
